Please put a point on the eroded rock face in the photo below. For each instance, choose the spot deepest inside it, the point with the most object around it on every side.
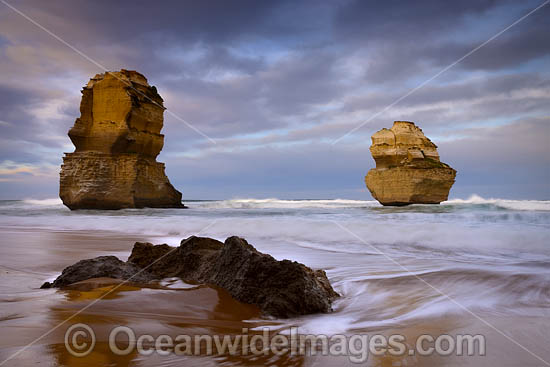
(408, 169)
(280, 288)
(117, 140)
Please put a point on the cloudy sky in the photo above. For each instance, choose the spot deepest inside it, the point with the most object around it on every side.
(277, 86)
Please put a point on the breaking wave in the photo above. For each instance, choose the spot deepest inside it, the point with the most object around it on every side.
(542, 205)
(44, 202)
(274, 203)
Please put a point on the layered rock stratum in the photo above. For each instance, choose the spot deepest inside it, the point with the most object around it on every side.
(279, 288)
(117, 139)
(408, 169)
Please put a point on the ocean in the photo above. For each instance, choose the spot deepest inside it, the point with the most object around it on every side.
(476, 265)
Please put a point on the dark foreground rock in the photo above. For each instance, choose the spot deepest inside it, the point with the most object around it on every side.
(280, 288)
(99, 267)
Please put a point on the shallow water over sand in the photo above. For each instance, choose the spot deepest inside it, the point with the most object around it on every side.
(470, 267)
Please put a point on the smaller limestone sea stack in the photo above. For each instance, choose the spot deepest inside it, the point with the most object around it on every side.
(408, 169)
(279, 288)
(117, 140)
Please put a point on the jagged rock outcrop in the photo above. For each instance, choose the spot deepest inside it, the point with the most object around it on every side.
(280, 288)
(408, 169)
(117, 140)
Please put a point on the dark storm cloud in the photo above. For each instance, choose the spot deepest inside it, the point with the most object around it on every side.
(513, 48)
(400, 40)
(251, 103)
(405, 20)
(166, 22)
(312, 79)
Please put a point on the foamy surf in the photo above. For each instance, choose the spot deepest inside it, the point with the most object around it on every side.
(44, 202)
(285, 204)
(274, 203)
(541, 205)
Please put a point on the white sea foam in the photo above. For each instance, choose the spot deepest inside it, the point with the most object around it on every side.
(541, 205)
(274, 203)
(44, 202)
(290, 204)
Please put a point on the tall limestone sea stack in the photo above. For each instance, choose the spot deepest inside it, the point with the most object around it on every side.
(117, 140)
(408, 170)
